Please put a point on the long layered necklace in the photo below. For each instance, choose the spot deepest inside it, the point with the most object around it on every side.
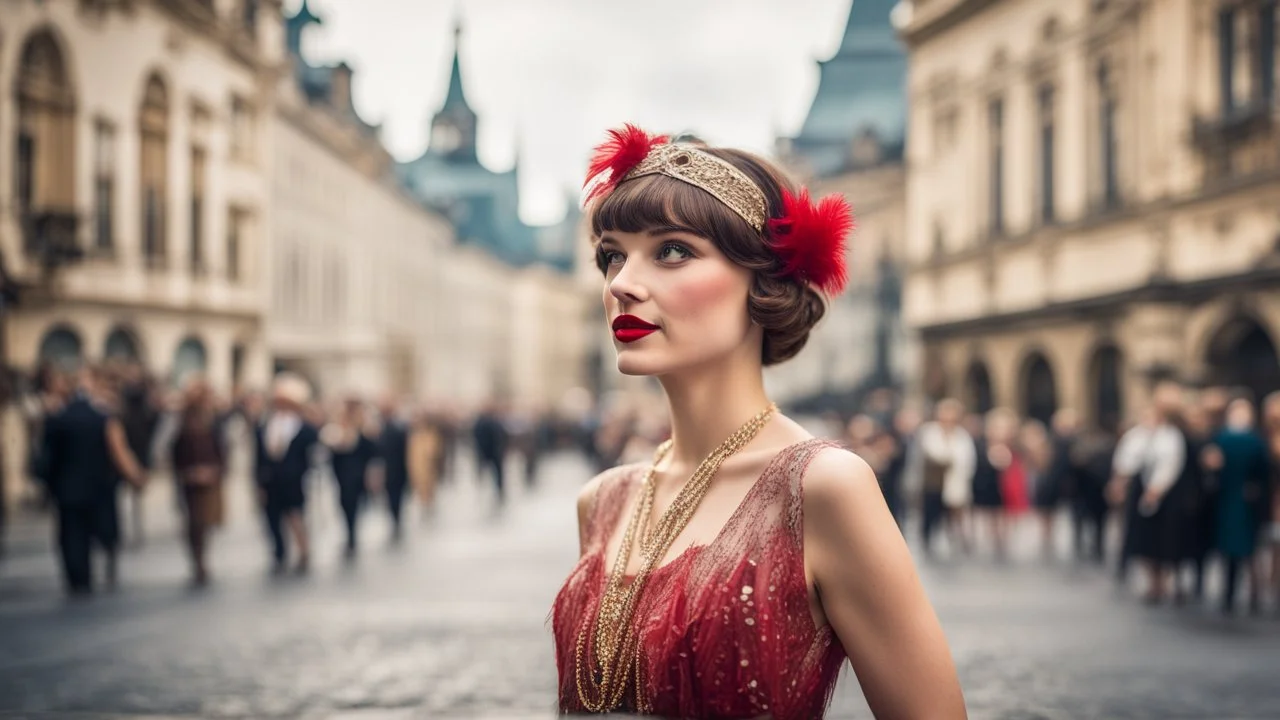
(601, 687)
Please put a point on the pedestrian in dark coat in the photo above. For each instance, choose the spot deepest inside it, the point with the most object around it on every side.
(1243, 475)
(85, 454)
(286, 443)
(393, 450)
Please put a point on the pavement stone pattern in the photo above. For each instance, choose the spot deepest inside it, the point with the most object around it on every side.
(453, 624)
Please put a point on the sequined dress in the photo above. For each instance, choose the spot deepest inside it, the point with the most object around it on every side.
(725, 628)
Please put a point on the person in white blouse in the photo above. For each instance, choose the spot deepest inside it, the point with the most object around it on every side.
(1148, 462)
(949, 450)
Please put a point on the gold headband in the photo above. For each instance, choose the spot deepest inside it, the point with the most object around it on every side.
(725, 182)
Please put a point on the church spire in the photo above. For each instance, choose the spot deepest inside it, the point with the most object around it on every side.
(869, 28)
(296, 24)
(456, 98)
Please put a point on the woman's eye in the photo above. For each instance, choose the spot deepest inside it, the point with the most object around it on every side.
(612, 257)
(673, 253)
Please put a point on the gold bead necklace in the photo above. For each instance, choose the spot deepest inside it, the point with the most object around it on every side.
(601, 688)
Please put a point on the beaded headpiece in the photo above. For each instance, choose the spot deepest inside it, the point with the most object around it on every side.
(809, 238)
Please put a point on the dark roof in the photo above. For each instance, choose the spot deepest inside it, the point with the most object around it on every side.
(861, 88)
(316, 81)
(456, 99)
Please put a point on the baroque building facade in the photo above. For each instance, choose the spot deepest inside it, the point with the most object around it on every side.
(1092, 199)
(135, 182)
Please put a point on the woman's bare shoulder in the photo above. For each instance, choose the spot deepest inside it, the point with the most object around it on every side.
(601, 483)
(837, 478)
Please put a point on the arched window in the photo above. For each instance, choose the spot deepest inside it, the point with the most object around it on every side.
(62, 348)
(1243, 354)
(189, 358)
(44, 144)
(1108, 397)
(154, 180)
(977, 386)
(121, 345)
(1039, 392)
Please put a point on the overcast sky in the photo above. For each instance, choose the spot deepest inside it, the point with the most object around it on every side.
(547, 77)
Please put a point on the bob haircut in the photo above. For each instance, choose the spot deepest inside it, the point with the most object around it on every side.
(785, 308)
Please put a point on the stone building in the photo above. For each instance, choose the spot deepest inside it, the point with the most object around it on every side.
(134, 173)
(375, 289)
(1092, 199)
(356, 259)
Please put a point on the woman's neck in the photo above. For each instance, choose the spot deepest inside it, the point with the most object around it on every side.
(708, 404)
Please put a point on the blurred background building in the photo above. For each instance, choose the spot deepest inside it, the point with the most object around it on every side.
(138, 168)
(1084, 200)
(1092, 199)
(852, 143)
(417, 280)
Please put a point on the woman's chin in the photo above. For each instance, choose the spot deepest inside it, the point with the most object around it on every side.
(633, 362)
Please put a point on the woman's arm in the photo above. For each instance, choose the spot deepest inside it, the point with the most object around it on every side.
(872, 598)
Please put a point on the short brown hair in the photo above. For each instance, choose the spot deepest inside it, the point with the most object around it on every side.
(786, 308)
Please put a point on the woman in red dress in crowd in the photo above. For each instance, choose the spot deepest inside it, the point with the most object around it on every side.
(732, 576)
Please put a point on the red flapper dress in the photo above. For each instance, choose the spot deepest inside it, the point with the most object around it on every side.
(725, 629)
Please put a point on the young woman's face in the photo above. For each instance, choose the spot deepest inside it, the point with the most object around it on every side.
(673, 301)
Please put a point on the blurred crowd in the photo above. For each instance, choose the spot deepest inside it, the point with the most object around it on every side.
(1191, 481)
(101, 435)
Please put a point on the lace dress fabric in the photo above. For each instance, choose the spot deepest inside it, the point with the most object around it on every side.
(725, 628)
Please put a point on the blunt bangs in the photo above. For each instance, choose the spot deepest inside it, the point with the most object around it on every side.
(657, 203)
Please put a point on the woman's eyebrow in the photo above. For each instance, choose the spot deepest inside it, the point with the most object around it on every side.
(668, 229)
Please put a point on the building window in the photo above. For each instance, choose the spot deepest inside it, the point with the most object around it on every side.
(995, 164)
(154, 176)
(1107, 138)
(242, 122)
(249, 16)
(44, 148)
(197, 210)
(1246, 56)
(24, 183)
(1045, 103)
(1227, 59)
(237, 224)
(294, 289)
(104, 161)
(1266, 65)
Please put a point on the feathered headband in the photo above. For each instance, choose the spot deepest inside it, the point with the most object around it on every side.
(809, 238)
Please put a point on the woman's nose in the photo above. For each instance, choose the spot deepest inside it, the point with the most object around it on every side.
(626, 286)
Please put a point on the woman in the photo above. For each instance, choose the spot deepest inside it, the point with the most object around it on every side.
(1043, 487)
(351, 453)
(993, 456)
(710, 583)
(1243, 473)
(947, 460)
(424, 459)
(1153, 463)
(199, 466)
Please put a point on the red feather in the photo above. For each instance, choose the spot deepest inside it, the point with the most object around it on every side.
(810, 239)
(624, 149)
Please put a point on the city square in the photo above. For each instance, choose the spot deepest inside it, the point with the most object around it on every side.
(454, 625)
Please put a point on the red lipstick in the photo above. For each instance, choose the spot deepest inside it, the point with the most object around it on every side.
(629, 328)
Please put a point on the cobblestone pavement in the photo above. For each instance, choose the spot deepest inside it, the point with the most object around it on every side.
(452, 624)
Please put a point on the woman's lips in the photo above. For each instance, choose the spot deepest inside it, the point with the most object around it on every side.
(629, 328)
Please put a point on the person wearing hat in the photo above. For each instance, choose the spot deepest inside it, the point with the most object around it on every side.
(286, 443)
